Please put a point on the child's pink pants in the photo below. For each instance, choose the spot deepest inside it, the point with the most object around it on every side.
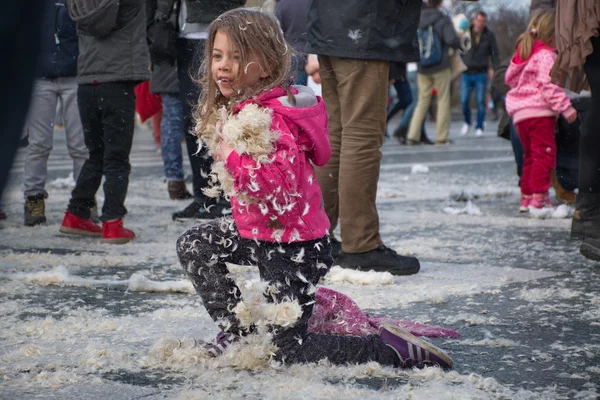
(539, 146)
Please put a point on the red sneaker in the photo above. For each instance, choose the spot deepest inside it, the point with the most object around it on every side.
(114, 233)
(74, 225)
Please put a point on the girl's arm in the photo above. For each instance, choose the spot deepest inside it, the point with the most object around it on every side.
(275, 180)
(555, 96)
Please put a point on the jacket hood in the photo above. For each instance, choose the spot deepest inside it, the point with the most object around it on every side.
(308, 114)
(429, 16)
(94, 17)
(537, 46)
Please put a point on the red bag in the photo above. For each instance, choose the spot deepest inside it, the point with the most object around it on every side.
(146, 104)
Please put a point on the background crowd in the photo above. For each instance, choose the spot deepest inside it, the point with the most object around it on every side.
(95, 59)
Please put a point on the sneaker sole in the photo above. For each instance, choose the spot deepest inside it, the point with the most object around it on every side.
(117, 240)
(80, 232)
(35, 221)
(409, 337)
(589, 252)
(377, 268)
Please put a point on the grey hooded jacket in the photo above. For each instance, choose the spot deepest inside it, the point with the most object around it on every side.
(112, 40)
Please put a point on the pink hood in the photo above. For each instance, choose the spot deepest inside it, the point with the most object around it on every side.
(532, 94)
(310, 120)
(287, 201)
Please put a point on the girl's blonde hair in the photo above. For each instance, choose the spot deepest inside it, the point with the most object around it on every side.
(541, 27)
(252, 32)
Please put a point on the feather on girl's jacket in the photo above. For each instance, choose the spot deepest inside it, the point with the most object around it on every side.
(269, 176)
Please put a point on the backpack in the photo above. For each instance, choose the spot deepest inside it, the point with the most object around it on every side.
(430, 47)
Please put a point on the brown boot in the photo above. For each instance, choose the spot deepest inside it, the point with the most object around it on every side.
(178, 191)
(562, 195)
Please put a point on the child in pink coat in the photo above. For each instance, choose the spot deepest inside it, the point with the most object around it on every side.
(265, 136)
(534, 103)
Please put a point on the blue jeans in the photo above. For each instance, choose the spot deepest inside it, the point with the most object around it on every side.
(411, 78)
(298, 66)
(171, 133)
(467, 84)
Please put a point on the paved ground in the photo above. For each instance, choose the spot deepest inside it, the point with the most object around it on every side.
(74, 324)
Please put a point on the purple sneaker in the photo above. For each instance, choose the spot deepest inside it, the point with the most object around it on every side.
(221, 342)
(412, 351)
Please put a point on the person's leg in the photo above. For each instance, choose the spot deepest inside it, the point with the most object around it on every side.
(404, 98)
(425, 84)
(73, 128)
(296, 282)
(480, 90)
(328, 176)
(203, 251)
(156, 123)
(117, 101)
(465, 96)
(586, 221)
(543, 152)
(411, 78)
(363, 127)
(20, 26)
(40, 127)
(188, 67)
(441, 81)
(524, 134)
(90, 177)
(172, 132)
(517, 147)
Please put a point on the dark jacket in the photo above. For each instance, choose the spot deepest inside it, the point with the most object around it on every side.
(370, 30)
(292, 15)
(112, 40)
(59, 50)
(444, 30)
(500, 85)
(164, 72)
(205, 11)
(477, 59)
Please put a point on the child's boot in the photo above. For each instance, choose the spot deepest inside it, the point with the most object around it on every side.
(525, 201)
(74, 225)
(113, 232)
(412, 351)
(35, 210)
(541, 200)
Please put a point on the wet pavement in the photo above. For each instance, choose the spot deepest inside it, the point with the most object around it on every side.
(526, 303)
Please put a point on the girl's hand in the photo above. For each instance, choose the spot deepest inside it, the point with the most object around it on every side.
(225, 150)
(572, 118)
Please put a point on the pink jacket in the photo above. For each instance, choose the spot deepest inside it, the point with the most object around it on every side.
(289, 203)
(532, 95)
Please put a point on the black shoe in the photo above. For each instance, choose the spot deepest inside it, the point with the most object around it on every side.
(400, 134)
(590, 248)
(425, 139)
(35, 210)
(336, 247)
(197, 211)
(382, 259)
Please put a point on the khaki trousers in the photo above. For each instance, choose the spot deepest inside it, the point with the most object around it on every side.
(355, 93)
(441, 82)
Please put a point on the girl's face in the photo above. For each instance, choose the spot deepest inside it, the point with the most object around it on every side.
(226, 69)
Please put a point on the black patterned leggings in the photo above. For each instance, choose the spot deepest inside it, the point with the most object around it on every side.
(294, 268)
